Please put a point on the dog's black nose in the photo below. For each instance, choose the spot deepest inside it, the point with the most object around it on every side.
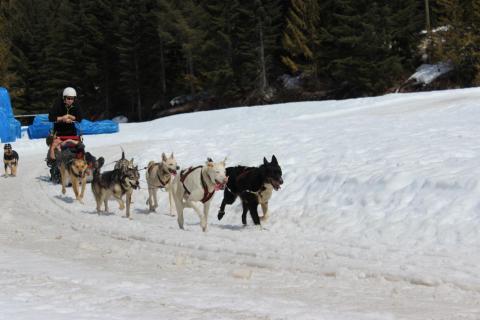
(178, 167)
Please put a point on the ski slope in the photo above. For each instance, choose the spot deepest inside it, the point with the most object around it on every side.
(378, 218)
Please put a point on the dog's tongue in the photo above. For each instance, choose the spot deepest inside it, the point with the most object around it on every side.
(219, 186)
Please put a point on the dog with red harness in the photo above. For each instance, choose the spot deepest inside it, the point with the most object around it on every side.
(196, 186)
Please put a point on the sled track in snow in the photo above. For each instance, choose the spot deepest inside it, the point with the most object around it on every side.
(272, 261)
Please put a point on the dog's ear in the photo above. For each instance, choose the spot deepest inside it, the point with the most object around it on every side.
(100, 162)
(209, 162)
(164, 157)
(274, 160)
(171, 156)
(265, 162)
(123, 155)
(224, 161)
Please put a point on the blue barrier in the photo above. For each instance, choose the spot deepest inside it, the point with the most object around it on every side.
(41, 127)
(10, 128)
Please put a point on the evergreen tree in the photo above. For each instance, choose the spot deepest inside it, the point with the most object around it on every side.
(220, 45)
(29, 21)
(459, 43)
(131, 17)
(357, 48)
(189, 18)
(301, 37)
(99, 55)
(166, 39)
(6, 77)
(266, 42)
(406, 22)
(244, 39)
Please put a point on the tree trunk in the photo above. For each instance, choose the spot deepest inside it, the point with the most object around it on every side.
(137, 88)
(428, 50)
(107, 90)
(162, 69)
(190, 71)
(263, 68)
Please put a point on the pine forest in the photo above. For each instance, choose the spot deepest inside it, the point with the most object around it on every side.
(150, 58)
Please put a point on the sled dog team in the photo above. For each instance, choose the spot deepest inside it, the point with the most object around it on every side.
(192, 187)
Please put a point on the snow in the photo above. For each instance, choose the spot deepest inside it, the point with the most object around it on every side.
(378, 218)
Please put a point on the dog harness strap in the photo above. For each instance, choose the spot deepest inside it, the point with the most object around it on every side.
(77, 175)
(183, 176)
(206, 195)
(163, 184)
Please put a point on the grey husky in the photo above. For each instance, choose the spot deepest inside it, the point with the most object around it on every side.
(123, 164)
(115, 183)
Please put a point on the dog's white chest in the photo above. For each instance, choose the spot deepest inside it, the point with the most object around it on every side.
(117, 189)
(265, 194)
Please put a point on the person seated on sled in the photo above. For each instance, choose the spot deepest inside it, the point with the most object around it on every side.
(56, 144)
(64, 113)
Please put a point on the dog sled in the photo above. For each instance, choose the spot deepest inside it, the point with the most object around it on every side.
(69, 148)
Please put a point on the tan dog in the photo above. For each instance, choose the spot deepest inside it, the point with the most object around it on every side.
(10, 160)
(159, 175)
(75, 168)
(197, 185)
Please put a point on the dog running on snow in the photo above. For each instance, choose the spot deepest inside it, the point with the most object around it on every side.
(197, 185)
(115, 183)
(159, 175)
(254, 185)
(73, 166)
(10, 160)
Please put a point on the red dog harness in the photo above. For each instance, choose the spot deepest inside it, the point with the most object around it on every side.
(206, 195)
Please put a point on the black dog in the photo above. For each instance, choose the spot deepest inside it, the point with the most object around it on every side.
(254, 186)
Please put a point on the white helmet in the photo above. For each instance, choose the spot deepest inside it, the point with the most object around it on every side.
(69, 92)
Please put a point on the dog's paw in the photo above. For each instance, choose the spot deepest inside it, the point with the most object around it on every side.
(64, 191)
(220, 215)
(265, 217)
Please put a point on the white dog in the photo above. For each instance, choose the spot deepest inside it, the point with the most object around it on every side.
(198, 184)
(159, 175)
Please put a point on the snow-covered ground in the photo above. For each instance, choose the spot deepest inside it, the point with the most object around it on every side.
(378, 218)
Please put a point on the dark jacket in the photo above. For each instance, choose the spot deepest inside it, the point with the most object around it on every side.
(60, 109)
